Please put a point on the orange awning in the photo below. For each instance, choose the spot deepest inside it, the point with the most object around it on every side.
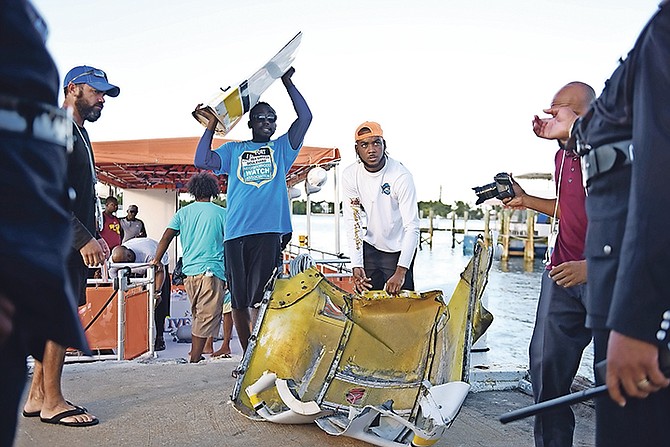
(167, 163)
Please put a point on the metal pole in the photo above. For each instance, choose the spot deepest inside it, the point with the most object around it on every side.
(151, 275)
(579, 396)
(336, 173)
(309, 220)
(121, 308)
(552, 404)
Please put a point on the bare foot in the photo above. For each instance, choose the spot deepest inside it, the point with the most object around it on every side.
(223, 352)
(204, 351)
(32, 408)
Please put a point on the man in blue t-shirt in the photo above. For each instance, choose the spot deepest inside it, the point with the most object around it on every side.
(200, 226)
(258, 204)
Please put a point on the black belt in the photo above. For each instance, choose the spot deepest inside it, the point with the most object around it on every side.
(605, 158)
(37, 120)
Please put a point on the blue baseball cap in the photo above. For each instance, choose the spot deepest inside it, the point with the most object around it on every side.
(94, 77)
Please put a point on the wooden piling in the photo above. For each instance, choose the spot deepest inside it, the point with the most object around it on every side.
(529, 243)
(487, 228)
(453, 229)
(431, 215)
(504, 232)
(466, 216)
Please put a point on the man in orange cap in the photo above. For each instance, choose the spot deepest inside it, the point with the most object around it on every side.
(383, 189)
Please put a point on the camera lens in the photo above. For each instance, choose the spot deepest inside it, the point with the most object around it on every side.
(485, 192)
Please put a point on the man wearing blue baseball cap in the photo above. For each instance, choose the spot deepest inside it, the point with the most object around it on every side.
(93, 77)
(85, 90)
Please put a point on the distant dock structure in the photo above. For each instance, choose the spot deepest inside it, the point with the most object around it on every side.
(525, 236)
(518, 233)
(426, 233)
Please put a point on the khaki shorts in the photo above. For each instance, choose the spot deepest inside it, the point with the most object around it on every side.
(206, 295)
(227, 307)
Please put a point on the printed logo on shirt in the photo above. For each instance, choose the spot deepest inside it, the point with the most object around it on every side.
(257, 167)
(115, 227)
(386, 189)
(356, 208)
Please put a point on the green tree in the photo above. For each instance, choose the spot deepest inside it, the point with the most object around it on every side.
(439, 208)
(218, 200)
(461, 208)
(299, 207)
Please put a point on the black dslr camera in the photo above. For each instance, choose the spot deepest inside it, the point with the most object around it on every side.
(501, 188)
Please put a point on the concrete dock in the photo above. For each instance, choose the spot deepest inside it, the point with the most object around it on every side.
(160, 402)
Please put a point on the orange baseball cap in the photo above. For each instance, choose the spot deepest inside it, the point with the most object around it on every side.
(368, 129)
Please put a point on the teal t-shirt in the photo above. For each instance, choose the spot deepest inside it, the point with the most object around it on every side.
(201, 228)
(257, 193)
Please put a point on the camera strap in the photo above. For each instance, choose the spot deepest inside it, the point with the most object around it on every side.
(553, 233)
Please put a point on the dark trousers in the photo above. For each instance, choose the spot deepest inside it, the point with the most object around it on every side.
(163, 308)
(13, 367)
(380, 266)
(556, 347)
(641, 423)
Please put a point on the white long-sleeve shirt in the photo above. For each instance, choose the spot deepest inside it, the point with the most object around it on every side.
(388, 199)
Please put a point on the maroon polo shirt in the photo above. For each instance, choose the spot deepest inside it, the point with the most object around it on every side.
(572, 234)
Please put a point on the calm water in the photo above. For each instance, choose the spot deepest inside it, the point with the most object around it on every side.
(511, 294)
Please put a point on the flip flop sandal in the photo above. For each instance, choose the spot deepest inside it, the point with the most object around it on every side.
(58, 419)
(35, 414)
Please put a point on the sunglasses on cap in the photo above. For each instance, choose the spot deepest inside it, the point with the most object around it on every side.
(271, 117)
(95, 72)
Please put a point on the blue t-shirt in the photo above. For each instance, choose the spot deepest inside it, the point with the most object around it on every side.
(257, 193)
(201, 228)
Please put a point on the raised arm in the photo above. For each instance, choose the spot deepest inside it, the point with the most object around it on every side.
(557, 127)
(297, 131)
(205, 158)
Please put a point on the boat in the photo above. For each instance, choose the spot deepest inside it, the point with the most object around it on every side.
(518, 231)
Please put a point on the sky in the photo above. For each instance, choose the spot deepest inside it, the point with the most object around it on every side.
(453, 83)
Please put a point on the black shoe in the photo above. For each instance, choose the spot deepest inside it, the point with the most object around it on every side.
(159, 345)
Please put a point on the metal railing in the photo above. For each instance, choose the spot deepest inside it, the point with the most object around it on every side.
(122, 282)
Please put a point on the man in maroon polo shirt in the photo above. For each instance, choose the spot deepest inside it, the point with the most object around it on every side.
(560, 334)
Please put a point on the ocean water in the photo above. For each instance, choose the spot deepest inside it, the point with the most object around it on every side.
(511, 293)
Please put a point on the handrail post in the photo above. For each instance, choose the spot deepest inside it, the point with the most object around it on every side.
(151, 276)
(120, 317)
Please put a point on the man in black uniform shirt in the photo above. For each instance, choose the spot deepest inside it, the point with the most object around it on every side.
(625, 145)
(35, 234)
(85, 91)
